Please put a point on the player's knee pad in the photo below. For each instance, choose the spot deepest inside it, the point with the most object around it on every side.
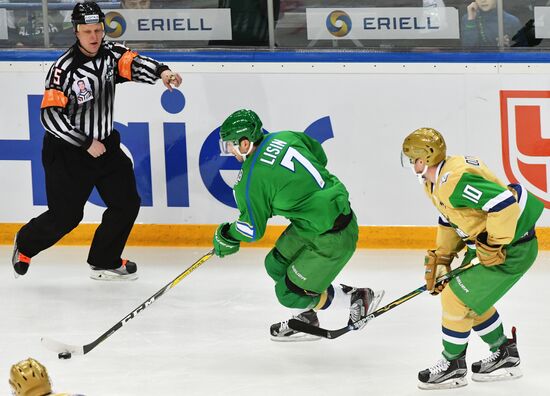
(478, 319)
(292, 296)
(294, 288)
(456, 314)
(287, 298)
(275, 265)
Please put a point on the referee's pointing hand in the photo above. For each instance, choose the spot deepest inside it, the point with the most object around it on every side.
(169, 79)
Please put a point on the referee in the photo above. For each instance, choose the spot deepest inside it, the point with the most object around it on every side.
(81, 150)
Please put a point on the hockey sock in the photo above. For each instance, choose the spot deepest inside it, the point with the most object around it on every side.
(456, 324)
(454, 342)
(489, 327)
(333, 296)
(325, 299)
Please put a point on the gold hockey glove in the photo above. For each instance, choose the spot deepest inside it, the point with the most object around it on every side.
(489, 255)
(435, 266)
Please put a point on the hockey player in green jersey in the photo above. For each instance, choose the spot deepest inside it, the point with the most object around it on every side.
(495, 222)
(285, 174)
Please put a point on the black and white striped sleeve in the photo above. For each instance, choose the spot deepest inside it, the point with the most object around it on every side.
(135, 67)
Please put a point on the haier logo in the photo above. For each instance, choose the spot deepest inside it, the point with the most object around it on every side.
(135, 141)
(525, 118)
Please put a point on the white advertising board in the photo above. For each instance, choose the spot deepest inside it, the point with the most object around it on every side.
(361, 118)
(178, 24)
(410, 23)
(542, 22)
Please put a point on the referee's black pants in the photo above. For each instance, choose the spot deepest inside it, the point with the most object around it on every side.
(71, 175)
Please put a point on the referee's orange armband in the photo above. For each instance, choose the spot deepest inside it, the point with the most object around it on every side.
(54, 98)
(125, 64)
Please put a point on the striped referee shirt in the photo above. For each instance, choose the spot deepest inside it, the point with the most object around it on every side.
(80, 91)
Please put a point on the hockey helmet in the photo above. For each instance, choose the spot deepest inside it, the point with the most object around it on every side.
(29, 378)
(426, 144)
(242, 124)
(86, 13)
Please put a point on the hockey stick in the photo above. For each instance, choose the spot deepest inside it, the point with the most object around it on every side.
(65, 351)
(303, 327)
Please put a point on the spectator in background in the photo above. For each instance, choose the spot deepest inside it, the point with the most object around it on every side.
(249, 23)
(479, 27)
(525, 11)
(29, 26)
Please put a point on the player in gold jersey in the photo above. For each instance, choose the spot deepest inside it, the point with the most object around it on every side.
(495, 222)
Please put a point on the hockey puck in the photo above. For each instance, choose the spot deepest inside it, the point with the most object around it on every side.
(64, 355)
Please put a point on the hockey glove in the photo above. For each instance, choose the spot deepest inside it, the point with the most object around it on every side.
(490, 255)
(435, 266)
(224, 245)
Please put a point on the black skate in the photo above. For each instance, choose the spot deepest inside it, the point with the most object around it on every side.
(281, 332)
(19, 261)
(445, 374)
(363, 301)
(503, 364)
(126, 272)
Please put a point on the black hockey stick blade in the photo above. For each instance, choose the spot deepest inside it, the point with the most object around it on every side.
(60, 347)
(303, 327)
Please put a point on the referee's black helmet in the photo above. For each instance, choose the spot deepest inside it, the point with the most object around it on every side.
(86, 13)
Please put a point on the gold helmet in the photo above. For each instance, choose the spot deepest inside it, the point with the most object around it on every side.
(29, 378)
(426, 144)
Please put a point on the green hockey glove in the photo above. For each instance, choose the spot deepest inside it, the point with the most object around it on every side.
(224, 245)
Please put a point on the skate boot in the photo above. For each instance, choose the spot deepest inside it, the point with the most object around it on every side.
(126, 272)
(503, 364)
(363, 302)
(19, 261)
(445, 374)
(281, 332)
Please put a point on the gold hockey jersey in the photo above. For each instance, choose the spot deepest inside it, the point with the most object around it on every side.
(472, 200)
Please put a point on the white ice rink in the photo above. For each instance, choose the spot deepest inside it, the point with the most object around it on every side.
(209, 335)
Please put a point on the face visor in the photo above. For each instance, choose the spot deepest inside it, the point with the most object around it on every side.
(407, 162)
(225, 147)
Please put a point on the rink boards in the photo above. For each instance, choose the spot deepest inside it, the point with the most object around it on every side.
(360, 108)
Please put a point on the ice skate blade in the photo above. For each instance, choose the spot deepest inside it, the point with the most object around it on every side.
(378, 295)
(302, 337)
(108, 276)
(503, 374)
(449, 384)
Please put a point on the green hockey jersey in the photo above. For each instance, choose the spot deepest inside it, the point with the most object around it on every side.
(286, 176)
(472, 200)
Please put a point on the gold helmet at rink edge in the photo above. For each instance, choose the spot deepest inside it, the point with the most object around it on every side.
(29, 378)
(426, 144)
